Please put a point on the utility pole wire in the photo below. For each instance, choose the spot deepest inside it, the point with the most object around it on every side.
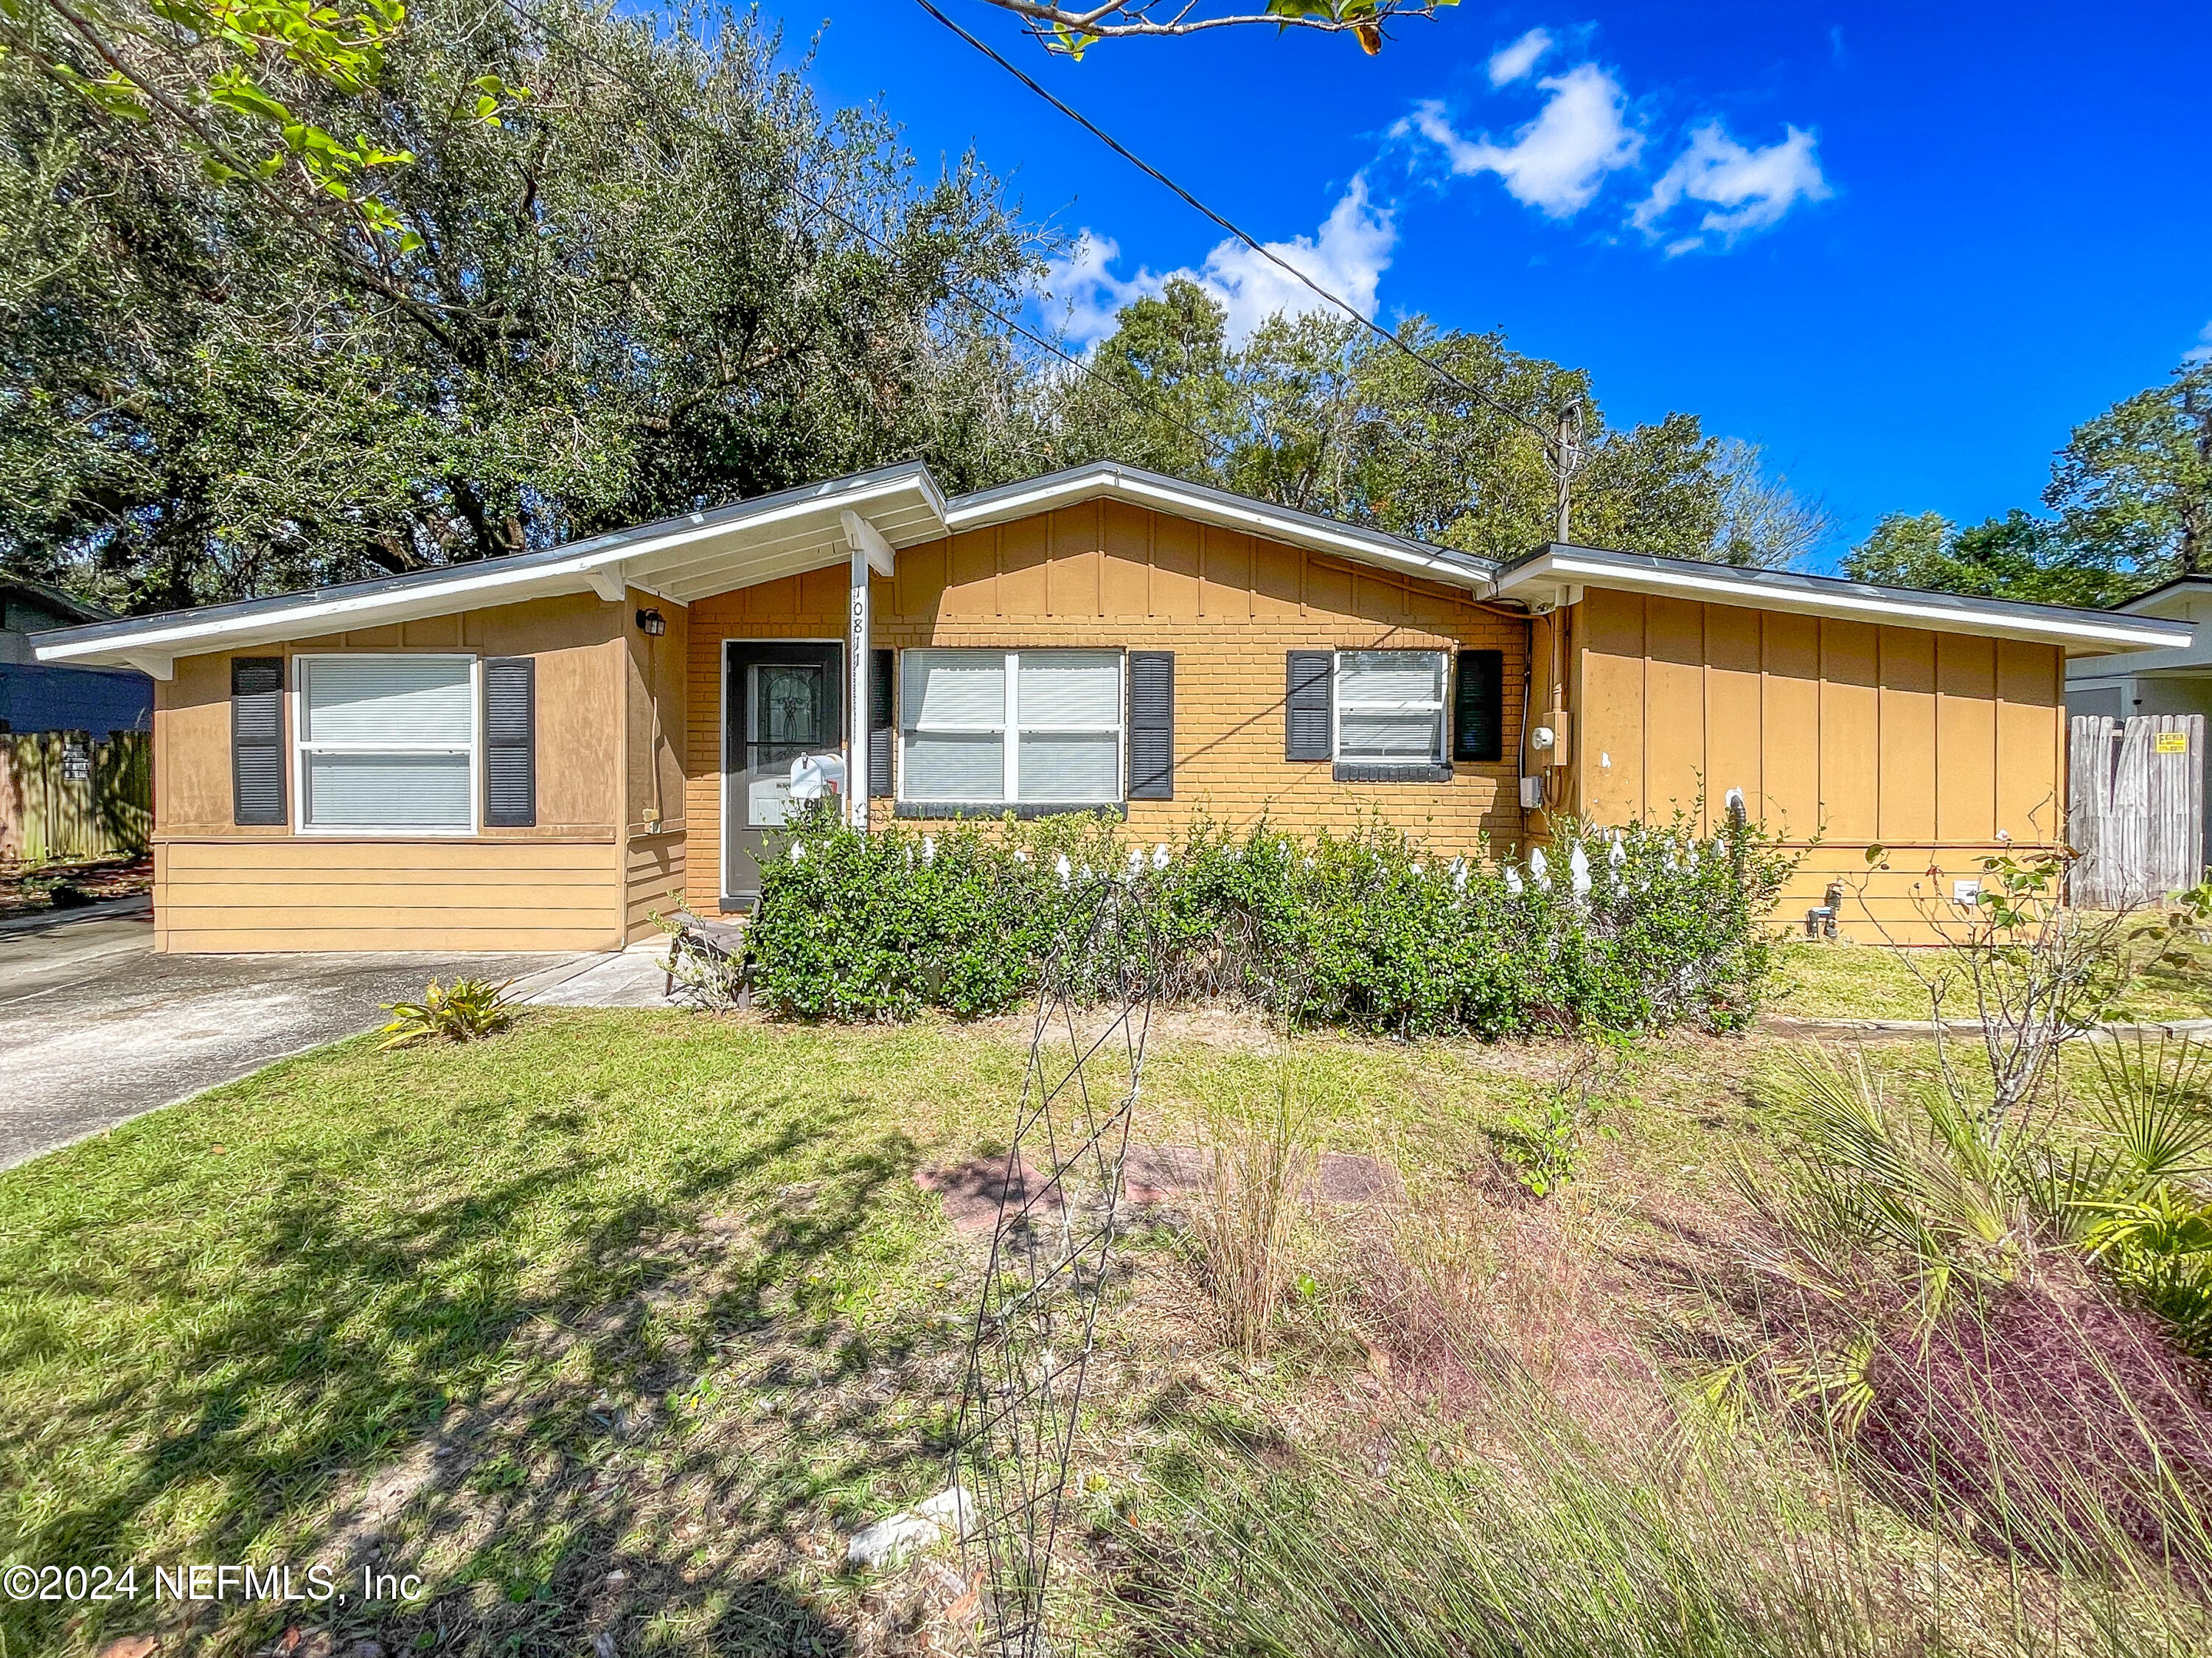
(531, 19)
(1555, 457)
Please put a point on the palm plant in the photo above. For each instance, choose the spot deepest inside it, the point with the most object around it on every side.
(2137, 1204)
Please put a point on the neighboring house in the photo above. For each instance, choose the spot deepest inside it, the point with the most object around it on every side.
(37, 697)
(532, 752)
(2177, 680)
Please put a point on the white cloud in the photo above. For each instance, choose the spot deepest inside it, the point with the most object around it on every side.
(1512, 62)
(1743, 189)
(1346, 256)
(2201, 352)
(1084, 291)
(1557, 161)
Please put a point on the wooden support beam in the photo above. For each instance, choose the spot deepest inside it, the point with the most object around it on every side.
(868, 541)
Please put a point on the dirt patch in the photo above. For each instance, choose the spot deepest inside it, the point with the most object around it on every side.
(40, 889)
(973, 1191)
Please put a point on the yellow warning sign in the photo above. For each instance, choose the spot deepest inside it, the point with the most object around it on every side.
(2170, 742)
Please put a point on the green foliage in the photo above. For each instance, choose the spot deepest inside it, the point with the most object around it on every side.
(2134, 486)
(1933, 1194)
(1318, 414)
(629, 303)
(2132, 490)
(1373, 929)
(1545, 1147)
(212, 75)
(465, 1010)
(2016, 557)
(2141, 1204)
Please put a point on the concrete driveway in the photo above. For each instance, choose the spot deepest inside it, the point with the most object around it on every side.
(95, 1028)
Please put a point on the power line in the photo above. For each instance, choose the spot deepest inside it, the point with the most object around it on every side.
(1550, 441)
(554, 32)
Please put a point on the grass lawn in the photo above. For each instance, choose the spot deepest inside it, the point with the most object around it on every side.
(1876, 982)
(616, 1324)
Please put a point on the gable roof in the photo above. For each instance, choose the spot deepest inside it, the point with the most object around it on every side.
(54, 601)
(2166, 590)
(1552, 572)
(815, 526)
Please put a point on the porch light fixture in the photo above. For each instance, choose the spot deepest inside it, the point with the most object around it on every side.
(653, 622)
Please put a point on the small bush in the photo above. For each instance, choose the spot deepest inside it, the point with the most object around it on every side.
(1633, 928)
(1935, 1285)
(464, 1010)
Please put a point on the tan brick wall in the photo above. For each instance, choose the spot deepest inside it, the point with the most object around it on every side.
(1228, 605)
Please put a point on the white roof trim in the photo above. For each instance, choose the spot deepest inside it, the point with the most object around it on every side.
(2084, 633)
(1208, 507)
(676, 564)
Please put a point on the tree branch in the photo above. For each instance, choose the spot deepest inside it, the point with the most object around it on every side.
(1057, 25)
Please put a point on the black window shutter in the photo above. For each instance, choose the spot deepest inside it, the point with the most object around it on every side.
(1479, 707)
(880, 730)
(1151, 725)
(510, 741)
(1309, 676)
(257, 739)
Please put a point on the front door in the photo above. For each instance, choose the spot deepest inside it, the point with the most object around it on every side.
(781, 700)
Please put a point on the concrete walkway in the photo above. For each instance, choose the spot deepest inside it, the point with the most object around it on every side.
(629, 978)
(1783, 1025)
(95, 1028)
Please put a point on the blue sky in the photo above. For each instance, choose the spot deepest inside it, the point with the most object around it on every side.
(1904, 248)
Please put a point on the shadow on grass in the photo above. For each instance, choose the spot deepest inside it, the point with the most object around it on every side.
(535, 1386)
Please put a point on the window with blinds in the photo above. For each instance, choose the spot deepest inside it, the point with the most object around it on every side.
(1010, 727)
(388, 743)
(1390, 707)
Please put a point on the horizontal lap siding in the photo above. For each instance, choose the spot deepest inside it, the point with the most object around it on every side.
(653, 882)
(1229, 605)
(1845, 732)
(556, 885)
(333, 893)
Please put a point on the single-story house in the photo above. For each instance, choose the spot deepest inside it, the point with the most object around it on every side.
(36, 696)
(535, 751)
(2176, 680)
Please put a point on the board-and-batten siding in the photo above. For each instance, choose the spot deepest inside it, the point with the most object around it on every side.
(331, 893)
(1228, 605)
(1929, 745)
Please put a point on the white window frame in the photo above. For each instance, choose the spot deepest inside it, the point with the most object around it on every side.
(302, 746)
(1441, 706)
(1009, 727)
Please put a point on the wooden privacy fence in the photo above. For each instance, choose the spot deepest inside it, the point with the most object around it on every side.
(63, 795)
(2135, 807)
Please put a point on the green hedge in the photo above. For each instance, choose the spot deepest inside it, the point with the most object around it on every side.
(1626, 929)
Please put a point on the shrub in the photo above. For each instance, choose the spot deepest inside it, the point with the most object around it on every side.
(462, 1011)
(1940, 1294)
(1633, 928)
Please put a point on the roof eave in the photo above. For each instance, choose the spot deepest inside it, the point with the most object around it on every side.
(643, 558)
(1298, 529)
(2077, 632)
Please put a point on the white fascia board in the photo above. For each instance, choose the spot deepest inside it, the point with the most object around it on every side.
(313, 618)
(2191, 659)
(1931, 612)
(605, 571)
(1210, 509)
